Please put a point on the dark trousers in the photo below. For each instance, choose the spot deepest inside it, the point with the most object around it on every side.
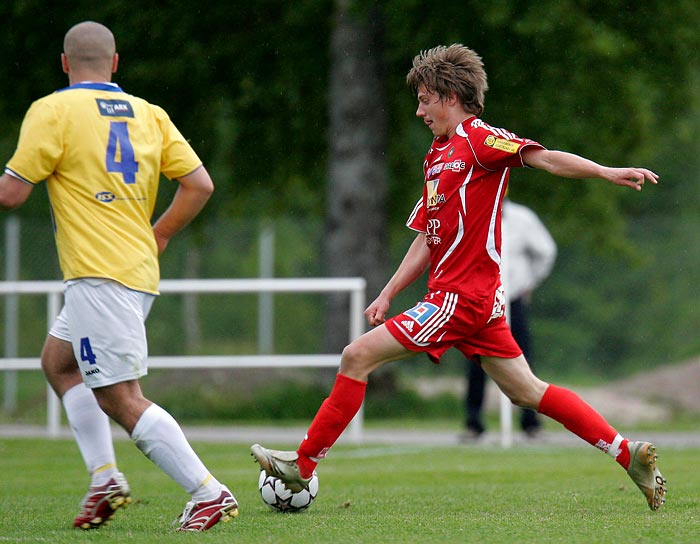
(476, 377)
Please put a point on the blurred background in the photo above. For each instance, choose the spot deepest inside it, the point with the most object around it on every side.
(301, 113)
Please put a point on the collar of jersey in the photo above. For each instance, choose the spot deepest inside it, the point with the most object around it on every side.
(94, 86)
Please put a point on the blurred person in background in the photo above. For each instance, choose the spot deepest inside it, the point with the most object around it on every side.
(528, 252)
(102, 152)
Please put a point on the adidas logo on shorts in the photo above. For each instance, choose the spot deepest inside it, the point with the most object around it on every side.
(408, 325)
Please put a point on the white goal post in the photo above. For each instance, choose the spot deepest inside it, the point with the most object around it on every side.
(355, 287)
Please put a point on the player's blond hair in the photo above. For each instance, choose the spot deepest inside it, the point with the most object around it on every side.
(448, 70)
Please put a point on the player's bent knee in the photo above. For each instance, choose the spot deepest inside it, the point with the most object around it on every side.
(355, 362)
(351, 357)
(526, 399)
(523, 403)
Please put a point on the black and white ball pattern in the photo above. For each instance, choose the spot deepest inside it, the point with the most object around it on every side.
(275, 494)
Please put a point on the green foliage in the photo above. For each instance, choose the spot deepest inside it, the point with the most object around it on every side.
(368, 493)
(274, 402)
(247, 83)
(407, 403)
(616, 315)
(577, 76)
(604, 81)
(286, 400)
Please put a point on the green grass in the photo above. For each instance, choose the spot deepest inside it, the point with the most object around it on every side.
(367, 494)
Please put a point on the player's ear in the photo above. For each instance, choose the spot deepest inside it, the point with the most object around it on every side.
(64, 63)
(452, 100)
(115, 63)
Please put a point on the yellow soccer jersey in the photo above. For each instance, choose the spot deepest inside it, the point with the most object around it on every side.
(101, 152)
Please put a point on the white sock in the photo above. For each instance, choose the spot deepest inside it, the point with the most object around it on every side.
(161, 439)
(92, 432)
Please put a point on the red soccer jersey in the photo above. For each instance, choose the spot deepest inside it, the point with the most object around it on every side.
(460, 211)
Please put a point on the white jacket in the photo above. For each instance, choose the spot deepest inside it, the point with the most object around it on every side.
(528, 250)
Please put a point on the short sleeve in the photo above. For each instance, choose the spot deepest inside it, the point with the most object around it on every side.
(178, 158)
(418, 220)
(496, 148)
(39, 147)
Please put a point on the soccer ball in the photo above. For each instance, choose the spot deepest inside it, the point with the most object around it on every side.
(276, 495)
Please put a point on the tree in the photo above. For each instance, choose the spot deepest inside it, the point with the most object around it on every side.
(355, 239)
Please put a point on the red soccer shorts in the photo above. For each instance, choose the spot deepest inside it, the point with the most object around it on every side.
(445, 320)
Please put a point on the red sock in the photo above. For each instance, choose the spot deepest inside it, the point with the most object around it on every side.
(332, 418)
(580, 418)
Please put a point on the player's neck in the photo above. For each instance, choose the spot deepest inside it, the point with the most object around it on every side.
(87, 76)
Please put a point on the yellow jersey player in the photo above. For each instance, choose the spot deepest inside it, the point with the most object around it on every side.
(101, 152)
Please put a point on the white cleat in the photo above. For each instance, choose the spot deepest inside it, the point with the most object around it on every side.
(281, 464)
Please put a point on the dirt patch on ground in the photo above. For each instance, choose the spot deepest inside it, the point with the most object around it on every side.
(655, 395)
(650, 396)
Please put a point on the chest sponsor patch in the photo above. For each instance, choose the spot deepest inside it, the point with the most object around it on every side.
(502, 144)
(433, 197)
(114, 108)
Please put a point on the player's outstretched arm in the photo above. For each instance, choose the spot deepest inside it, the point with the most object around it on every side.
(568, 165)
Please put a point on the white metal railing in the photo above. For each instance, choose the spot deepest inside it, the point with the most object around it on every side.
(354, 286)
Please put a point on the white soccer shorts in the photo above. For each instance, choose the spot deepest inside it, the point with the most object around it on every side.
(105, 323)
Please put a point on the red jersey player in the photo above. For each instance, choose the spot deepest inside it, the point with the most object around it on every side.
(458, 220)
(460, 214)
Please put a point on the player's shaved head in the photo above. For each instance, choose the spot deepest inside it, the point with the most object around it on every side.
(89, 45)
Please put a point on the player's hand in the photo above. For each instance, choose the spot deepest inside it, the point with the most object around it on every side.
(632, 177)
(376, 312)
(161, 241)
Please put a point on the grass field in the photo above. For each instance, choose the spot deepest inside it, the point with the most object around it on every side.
(367, 494)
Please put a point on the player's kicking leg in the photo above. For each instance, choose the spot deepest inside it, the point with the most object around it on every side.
(296, 468)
